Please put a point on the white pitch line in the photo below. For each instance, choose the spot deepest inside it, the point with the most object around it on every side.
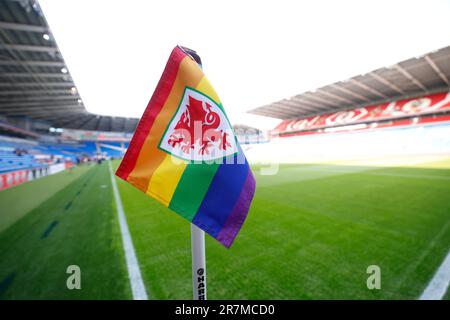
(438, 286)
(134, 273)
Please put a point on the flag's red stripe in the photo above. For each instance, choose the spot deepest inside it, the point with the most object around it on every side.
(153, 108)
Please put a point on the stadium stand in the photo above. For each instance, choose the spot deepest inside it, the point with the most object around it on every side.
(23, 160)
(394, 112)
(9, 161)
(412, 78)
(36, 89)
(38, 98)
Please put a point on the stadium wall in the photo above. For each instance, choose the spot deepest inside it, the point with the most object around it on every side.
(388, 114)
(14, 178)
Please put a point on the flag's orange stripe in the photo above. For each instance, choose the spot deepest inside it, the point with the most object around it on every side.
(150, 156)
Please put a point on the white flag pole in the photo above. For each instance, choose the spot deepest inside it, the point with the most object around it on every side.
(197, 235)
(198, 263)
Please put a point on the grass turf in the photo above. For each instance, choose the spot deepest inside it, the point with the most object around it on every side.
(34, 256)
(23, 198)
(311, 234)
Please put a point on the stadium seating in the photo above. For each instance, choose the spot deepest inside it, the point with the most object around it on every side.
(112, 149)
(11, 162)
(32, 150)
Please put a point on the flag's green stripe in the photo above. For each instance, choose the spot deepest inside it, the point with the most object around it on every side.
(191, 189)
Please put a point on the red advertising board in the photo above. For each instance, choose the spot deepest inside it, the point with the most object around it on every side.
(10, 179)
(397, 109)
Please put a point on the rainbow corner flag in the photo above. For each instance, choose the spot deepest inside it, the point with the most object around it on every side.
(184, 152)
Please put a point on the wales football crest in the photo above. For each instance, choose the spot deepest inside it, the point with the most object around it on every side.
(199, 130)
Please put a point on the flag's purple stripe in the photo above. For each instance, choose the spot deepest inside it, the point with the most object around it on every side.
(221, 197)
(237, 217)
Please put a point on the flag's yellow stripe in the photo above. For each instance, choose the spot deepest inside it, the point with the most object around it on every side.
(205, 86)
(165, 179)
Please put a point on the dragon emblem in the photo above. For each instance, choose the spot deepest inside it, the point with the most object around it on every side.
(197, 129)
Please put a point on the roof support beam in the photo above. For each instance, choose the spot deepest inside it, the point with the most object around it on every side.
(37, 84)
(264, 114)
(25, 47)
(71, 116)
(387, 83)
(30, 92)
(41, 98)
(64, 122)
(312, 96)
(44, 115)
(32, 63)
(58, 115)
(41, 117)
(289, 106)
(349, 92)
(74, 122)
(36, 104)
(41, 107)
(314, 105)
(335, 96)
(111, 121)
(367, 88)
(267, 113)
(281, 107)
(433, 65)
(297, 105)
(97, 124)
(22, 27)
(305, 109)
(47, 110)
(87, 122)
(410, 77)
(282, 110)
(37, 74)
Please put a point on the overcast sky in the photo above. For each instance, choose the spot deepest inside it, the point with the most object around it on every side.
(253, 52)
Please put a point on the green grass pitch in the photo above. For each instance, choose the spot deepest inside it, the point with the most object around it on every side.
(311, 234)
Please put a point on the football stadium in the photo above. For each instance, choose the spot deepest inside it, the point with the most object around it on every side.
(352, 184)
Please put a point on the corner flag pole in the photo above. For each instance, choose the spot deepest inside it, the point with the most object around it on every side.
(198, 263)
(197, 235)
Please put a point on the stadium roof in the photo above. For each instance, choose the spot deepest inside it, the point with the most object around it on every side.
(34, 79)
(407, 79)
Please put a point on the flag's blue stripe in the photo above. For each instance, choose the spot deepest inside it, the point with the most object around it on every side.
(221, 197)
